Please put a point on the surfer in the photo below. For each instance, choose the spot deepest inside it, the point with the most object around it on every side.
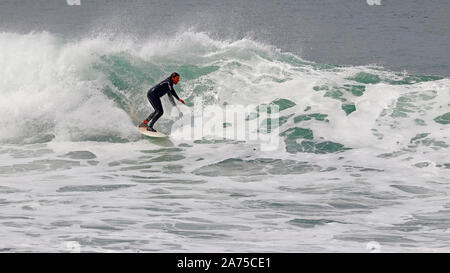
(154, 95)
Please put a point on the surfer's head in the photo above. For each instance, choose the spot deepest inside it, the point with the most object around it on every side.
(175, 77)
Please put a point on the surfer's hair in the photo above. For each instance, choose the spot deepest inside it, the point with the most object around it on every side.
(174, 75)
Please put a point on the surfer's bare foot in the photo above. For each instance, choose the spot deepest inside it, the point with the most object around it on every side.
(151, 129)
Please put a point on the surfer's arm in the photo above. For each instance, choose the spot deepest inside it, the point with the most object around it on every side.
(171, 99)
(172, 91)
(175, 95)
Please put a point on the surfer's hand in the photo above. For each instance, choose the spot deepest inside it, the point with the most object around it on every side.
(182, 101)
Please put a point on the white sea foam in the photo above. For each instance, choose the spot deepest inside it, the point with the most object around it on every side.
(76, 176)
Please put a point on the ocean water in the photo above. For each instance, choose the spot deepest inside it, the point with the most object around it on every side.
(362, 161)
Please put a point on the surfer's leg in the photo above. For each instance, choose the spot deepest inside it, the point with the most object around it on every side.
(151, 99)
(151, 116)
(156, 103)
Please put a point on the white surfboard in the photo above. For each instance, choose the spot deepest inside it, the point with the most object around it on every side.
(144, 131)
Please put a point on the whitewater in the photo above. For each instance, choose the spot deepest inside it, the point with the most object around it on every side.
(363, 156)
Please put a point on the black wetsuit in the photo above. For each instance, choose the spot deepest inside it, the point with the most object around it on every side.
(154, 95)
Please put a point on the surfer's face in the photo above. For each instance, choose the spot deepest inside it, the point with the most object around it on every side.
(176, 79)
